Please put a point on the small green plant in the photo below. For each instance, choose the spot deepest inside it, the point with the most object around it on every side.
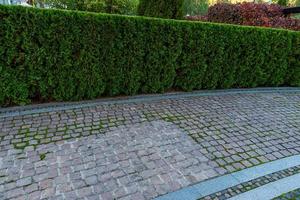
(101, 126)
(43, 156)
(169, 118)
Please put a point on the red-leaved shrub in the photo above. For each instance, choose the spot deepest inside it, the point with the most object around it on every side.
(224, 13)
(251, 14)
(254, 10)
(284, 22)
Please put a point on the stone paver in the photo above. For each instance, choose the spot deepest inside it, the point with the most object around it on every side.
(143, 149)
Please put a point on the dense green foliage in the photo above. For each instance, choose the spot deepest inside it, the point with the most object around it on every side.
(195, 7)
(58, 55)
(283, 2)
(170, 9)
(128, 7)
(294, 65)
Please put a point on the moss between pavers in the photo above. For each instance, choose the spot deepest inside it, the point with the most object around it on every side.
(25, 138)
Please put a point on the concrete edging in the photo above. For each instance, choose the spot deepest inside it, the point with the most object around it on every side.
(52, 107)
(220, 183)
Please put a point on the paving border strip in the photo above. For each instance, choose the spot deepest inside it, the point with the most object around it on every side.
(289, 195)
(253, 184)
(52, 107)
(271, 190)
(220, 183)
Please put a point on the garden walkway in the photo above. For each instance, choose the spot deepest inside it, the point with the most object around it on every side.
(227, 144)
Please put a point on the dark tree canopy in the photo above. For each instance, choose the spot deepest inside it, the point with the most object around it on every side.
(172, 9)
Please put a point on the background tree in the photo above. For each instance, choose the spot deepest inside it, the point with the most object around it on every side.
(195, 7)
(128, 7)
(283, 2)
(172, 9)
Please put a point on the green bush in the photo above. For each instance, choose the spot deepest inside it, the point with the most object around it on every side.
(53, 55)
(82, 5)
(195, 7)
(170, 9)
(128, 7)
(125, 7)
(293, 77)
(283, 2)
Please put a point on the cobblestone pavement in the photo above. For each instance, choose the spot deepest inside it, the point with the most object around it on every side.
(79, 151)
(129, 163)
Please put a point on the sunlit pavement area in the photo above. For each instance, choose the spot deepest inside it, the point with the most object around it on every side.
(223, 144)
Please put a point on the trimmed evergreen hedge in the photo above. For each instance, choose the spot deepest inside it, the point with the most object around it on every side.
(58, 55)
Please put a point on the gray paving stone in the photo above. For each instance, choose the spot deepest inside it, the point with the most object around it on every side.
(47, 193)
(84, 192)
(34, 195)
(24, 181)
(14, 193)
(91, 180)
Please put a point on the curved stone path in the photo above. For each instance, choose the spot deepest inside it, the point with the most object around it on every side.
(144, 147)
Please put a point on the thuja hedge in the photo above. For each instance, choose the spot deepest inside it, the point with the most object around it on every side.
(53, 55)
